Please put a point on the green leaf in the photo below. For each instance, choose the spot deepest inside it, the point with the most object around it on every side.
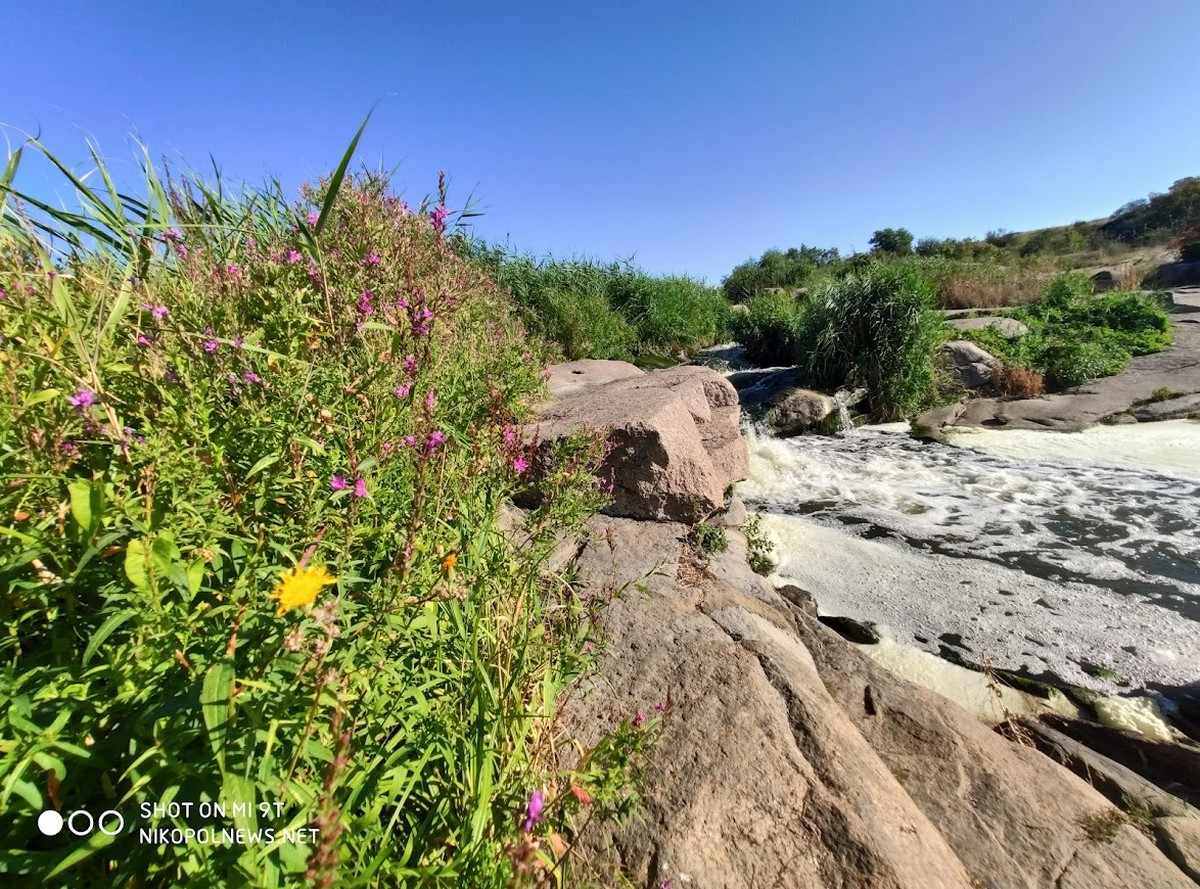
(335, 183)
(106, 629)
(87, 504)
(39, 397)
(216, 702)
(269, 460)
(137, 565)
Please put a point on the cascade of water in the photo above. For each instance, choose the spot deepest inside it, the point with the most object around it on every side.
(844, 398)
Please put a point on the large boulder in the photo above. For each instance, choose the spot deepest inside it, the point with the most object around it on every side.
(676, 445)
(799, 410)
(1006, 327)
(968, 365)
(790, 759)
(1105, 280)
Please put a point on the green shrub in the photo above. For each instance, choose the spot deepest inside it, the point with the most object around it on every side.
(253, 459)
(761, 549)
(768, 329)
(777, 269)
(878, 329)
(582, 324)
(708, 539)
(1069, 363)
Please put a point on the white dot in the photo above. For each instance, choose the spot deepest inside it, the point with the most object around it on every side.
(50, 823)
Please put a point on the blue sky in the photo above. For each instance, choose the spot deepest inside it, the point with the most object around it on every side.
(689, 135)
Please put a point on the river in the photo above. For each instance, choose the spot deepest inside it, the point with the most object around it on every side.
(1067, 555)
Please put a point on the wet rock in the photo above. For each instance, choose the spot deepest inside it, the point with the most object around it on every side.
(799, 410)
(861, 632)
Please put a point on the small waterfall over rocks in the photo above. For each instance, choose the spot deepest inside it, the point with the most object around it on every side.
(845, 399)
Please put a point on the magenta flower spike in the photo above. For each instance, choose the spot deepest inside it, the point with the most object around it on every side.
(338, 483)
(533, 810)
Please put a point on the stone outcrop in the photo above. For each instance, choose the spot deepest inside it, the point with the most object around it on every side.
(799, 410)
(968, 365)
(676, 445)
(787, 757)
(790, 759)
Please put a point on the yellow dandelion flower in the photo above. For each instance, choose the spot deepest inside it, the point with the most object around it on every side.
(298, 587)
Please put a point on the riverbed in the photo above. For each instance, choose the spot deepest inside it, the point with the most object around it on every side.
(1067, 555)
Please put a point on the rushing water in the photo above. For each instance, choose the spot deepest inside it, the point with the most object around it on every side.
(1070, 554)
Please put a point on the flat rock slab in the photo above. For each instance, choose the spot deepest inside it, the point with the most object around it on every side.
(1008, 327)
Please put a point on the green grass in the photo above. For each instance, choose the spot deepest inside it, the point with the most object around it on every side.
(202, 392)
(613, 310)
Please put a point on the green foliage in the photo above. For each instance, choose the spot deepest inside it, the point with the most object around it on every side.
(878, 329)
(1075, 336)
(1103, 827)
(1157, 218)
(967, 249)
(769, 328)
(892, 241)
(761, 549)
(784, 269)
(708, 539)
(610, 311)
(196, 419)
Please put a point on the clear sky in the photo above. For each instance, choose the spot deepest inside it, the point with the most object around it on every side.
(690, 135)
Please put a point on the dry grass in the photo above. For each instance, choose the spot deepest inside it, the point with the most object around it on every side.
(1018, 381)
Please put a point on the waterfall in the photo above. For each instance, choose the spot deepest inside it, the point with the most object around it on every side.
(844, 398)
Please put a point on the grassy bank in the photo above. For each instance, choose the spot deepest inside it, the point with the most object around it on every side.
(1075, 336)
(252, 453)
(610, 310)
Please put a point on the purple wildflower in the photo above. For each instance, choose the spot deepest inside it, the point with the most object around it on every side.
(438, 215)
(435, 440)
(430, 399)
(181, 251)
(211, 346)
(312, 218)
(520, 465)
(410, 441)
(639, 719)
(589, 647)
(371, 259)
(173, 234)
(169, 373)
(82, 400)
(402, 391)
(360, 488)
(239, 341)
(293, 257)
(158, 313)
(533, 810)
(338, 483)
(251, 377)
(142, 341)
(364, 303)
(410, 364)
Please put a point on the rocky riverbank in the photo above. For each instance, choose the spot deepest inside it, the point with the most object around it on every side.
(1133, 395)
(788, 758)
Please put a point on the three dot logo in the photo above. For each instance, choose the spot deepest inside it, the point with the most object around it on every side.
(81, 822)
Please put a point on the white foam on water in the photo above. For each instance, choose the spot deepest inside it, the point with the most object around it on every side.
(1171, 447)
(988, 611)
(987, 700)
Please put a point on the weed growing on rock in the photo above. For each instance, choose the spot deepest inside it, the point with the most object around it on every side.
(708, 539)
(1102, 827)
(760, 546)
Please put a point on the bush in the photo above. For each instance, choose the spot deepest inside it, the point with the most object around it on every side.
(768, 329)
(1018, 381)
(255, 456)
(760, 548)
(708, 540)
(1070, 363)
(783, 269)
(878, 329)
(892, 241)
